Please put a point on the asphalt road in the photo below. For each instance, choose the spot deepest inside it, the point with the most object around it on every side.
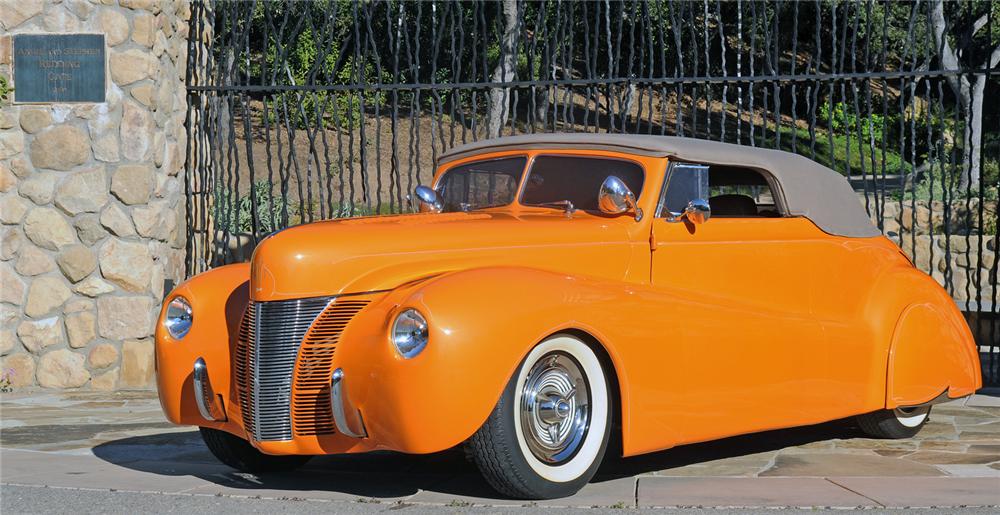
(35, 499)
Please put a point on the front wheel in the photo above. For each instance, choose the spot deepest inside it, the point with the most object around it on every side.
(894, 423)
(239, 454)
(547, 435)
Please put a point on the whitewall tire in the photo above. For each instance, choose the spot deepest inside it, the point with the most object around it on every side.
(894, 423)
(547, 434)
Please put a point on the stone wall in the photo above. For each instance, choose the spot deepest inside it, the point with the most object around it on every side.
(92, 200)
(921, 234)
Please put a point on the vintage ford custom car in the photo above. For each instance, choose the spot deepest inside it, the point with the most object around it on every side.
(558, 292)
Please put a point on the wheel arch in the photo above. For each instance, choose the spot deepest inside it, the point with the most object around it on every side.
(611, 369)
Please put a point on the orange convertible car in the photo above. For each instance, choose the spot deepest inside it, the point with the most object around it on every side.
(558, 291)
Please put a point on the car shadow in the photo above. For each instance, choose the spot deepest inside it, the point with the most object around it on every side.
(731, 447)
(387, 475)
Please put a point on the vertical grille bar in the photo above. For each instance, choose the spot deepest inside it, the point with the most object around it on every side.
(268, 359)
(242, 370)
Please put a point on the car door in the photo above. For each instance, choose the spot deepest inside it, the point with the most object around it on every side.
(758, 365)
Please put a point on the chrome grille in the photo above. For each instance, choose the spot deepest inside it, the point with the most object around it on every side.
(265, 361)
(311, 410)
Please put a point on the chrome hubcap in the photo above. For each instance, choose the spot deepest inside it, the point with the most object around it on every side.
(555, 408)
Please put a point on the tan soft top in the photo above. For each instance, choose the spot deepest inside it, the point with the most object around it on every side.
(807, 188)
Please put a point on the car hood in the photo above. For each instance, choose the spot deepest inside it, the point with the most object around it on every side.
(380, 253)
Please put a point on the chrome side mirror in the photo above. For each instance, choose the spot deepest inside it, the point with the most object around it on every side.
(429, 198)
(697, 212)
(615, 198)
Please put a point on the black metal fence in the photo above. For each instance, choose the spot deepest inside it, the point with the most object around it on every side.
(300, 111)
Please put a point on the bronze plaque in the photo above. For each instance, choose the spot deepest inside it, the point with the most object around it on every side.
(59, 68)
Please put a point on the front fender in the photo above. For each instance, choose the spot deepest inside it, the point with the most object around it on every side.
(218, 298)
(481, 326)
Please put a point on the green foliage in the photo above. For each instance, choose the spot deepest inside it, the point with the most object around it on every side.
(841, 119)
(940, 181)
(5, 89)
(308, 52)
(235, 215)
(6, 383)
(857, 155)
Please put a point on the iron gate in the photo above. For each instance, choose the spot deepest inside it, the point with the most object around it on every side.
(300, 111)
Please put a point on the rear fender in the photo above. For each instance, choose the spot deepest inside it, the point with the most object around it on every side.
(933, 353)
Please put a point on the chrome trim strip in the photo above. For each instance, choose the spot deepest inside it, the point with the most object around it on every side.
(337, 405)
(202, 393)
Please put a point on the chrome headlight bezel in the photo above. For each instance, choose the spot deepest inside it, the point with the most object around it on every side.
(178, 318)
(409, 333)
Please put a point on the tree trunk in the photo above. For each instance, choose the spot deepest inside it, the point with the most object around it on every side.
(973, 136)
(504, 71)
(970, 94)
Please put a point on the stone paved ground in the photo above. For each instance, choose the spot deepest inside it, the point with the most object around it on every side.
(120, 442)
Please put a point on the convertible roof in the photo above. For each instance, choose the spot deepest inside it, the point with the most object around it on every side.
(808, 188)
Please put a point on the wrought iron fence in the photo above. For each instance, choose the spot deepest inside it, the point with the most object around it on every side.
(300, 111)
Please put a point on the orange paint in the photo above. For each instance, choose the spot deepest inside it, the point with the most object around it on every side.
(733, 326)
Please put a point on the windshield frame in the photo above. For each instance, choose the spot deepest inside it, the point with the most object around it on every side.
(530, 167)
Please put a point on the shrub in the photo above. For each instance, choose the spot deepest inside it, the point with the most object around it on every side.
(5, 89)
(840, 118)
(235, 215)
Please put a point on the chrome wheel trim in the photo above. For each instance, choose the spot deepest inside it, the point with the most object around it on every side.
(600, 403)
(554, 410)
(911, 417)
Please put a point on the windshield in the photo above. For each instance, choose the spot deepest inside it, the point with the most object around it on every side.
(481, 184)
(576, 179)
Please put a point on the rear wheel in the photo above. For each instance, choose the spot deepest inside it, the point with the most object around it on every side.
(547, 435)
(894, 423)
(239, 454)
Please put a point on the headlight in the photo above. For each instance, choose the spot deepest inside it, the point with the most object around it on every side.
(409, 333)
(179, 318)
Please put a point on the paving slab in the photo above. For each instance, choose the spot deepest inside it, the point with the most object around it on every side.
(121, 442)
(473, 490)
(970, 470)
(828, 464)
(601, 493)
(463, 490)
(745, 492)
(990, 399)
(33, 468)
(914, 492)
(329, 487)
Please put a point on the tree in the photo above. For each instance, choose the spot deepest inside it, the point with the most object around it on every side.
(504, 70)
(977, 54)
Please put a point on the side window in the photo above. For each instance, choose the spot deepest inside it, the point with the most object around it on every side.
(741, 193)
(685, 182)
(731, 191)
(481, 184)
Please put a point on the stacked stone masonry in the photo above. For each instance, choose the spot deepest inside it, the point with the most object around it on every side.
(91, 200)
(950, 250)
